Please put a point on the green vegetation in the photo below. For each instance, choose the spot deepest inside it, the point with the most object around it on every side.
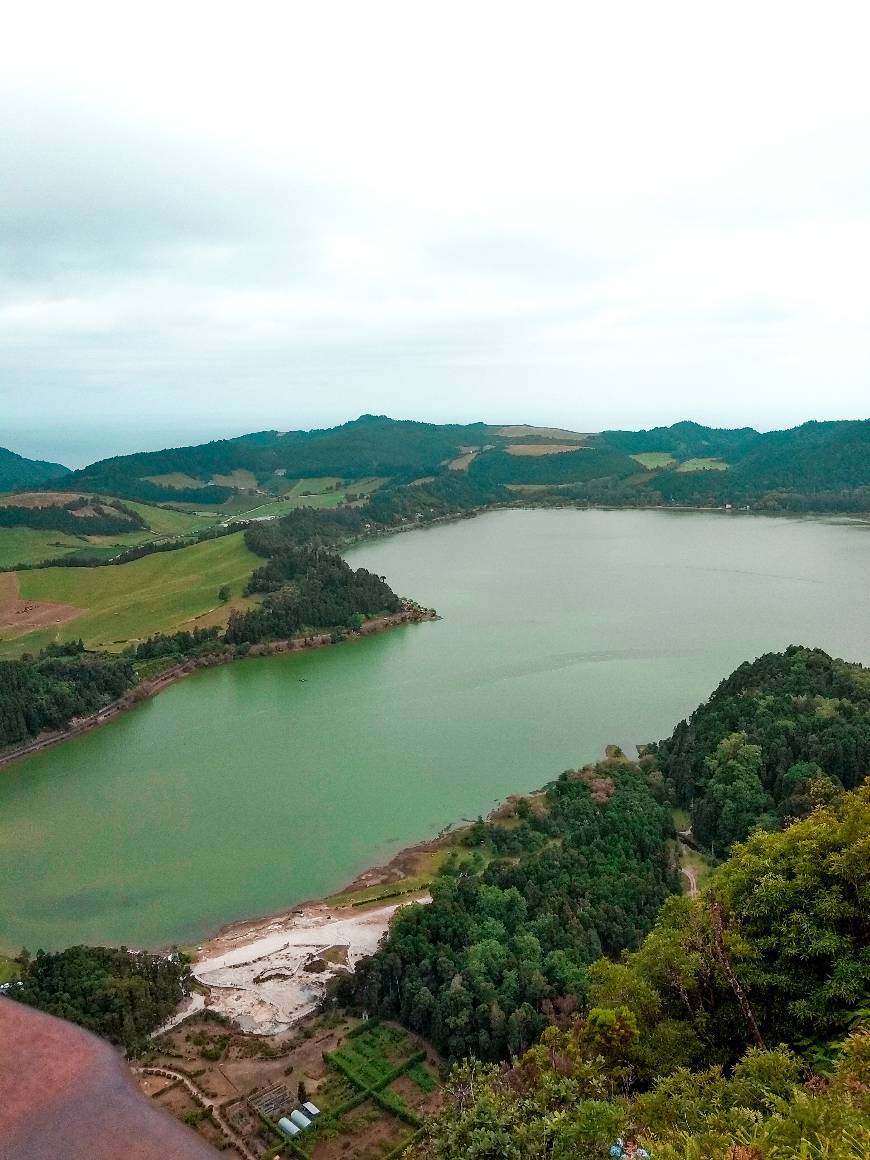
(63, 683)
(28, 546)
(653, 459)
(483, 968)
(703, 1042)
(17, 472)
(10, 970)
(159, 593)
(703, 464)
(778, 736)
(814, 467)
(78, 516)
(119, 994)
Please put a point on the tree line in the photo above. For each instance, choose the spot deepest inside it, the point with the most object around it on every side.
(119, 994)
(46, 692)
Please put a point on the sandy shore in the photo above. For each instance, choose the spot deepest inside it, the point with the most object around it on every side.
(266, 975)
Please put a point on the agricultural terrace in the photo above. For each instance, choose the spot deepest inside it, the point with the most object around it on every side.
(118, 604)
(253, 1081)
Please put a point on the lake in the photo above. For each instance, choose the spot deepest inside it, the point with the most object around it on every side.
(247, 788)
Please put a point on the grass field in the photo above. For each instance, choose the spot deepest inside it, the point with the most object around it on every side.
(703, 465)
(159, 593)
(174, 479)
(29, 546)
(542, 448)
(32, 546)
(9, 970)
(238, 478)
(653, 459)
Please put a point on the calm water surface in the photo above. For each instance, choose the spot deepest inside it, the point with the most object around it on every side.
(247, 788)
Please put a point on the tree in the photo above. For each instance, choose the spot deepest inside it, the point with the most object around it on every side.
(734, 799)
(224, 593)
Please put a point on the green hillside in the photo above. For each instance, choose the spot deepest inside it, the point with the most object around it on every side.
(814, 467)
(159, 593)
(16, 471)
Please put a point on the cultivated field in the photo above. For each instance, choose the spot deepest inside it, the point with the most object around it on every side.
(373, 1083)
(653, 459)
(127, 602)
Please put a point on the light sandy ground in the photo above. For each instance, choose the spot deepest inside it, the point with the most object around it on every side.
(256, 976)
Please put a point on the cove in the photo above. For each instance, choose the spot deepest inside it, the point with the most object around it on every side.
(247, 788)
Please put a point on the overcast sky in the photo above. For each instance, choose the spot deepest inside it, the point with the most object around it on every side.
(219, 218)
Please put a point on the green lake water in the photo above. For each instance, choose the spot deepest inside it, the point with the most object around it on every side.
(244, 789)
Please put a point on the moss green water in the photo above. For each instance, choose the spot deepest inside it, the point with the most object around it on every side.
(247, 788)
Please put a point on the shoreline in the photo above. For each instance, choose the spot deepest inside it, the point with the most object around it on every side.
(145, 690)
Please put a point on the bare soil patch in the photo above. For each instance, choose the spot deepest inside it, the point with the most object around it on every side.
(18, 616)
(38, 499)
(461, 462)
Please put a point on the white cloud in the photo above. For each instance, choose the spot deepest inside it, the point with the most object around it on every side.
(582, 214)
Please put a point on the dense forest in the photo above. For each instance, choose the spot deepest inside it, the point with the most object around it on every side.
(63, 682)
(771, 738)
(18, 472)
(119, 994)
(738, 1030)
(579, 871)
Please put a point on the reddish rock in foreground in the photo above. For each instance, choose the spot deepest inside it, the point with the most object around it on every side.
(66, 1094)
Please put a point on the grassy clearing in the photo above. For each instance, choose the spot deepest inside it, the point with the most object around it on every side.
(163, 521)
(653, 459)
(9, 970)
(159, 593)
(424, 865)
(174, 479)
(703, 465)
(697, 862)
(32, 546)
(238, 478)
(29, 546)
(542, 448)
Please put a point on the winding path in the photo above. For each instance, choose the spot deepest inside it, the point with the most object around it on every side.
(201, 1098)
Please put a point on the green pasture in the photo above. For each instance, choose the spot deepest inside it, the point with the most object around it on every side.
(30, 546)
(34, 546)
(160, 593)
(653, 459)
(702, 464)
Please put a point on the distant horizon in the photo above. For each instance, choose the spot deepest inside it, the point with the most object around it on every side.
(80, 448)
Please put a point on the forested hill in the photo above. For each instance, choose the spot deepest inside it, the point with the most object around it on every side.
(814, 467)
(776, 734)
(371, 446)
(16, 471)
